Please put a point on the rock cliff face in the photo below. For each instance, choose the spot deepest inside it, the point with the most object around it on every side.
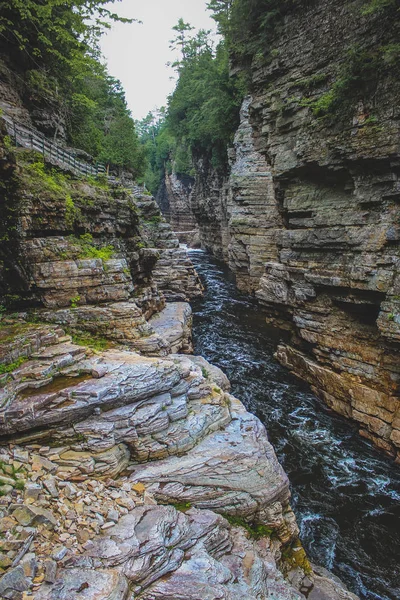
(308, 218)
(126, 470)
(174, 200)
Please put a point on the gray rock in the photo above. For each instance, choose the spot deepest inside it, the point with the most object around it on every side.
(165, 553)
(86, 583)
(234, 471)
(50, 570)
(34, 515)
(174, 324)
(14, 581)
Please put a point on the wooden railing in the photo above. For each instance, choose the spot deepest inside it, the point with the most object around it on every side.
(54, 153)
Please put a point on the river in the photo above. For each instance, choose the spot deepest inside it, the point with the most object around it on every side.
(345, 493)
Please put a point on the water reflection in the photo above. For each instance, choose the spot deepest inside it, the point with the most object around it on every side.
(345, 493)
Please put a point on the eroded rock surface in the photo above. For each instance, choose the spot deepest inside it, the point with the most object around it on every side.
(118, 466)
(174, 324)
(125, 471)
(308, 217)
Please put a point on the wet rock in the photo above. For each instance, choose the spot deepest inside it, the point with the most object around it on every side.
(174, 324)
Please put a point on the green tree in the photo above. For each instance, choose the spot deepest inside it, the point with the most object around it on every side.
(203, 110)
(53, 30)
(202, 113)
(180, 42)
(53, 46)
(158, 144)
(222, 10)
(121, 147)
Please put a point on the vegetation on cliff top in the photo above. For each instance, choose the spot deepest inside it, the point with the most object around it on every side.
(202, 113)
(52, 49)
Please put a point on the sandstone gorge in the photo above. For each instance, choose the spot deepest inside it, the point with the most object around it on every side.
(307, 219)
(126, 470)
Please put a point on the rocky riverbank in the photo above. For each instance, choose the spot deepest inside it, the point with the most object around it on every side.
(131, 476)
(126, 470)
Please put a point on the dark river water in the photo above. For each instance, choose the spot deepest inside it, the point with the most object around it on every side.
(344, 492)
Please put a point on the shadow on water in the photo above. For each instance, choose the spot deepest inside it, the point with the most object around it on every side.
(344, 492)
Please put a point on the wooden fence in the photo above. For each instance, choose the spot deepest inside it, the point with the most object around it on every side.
(28, 138)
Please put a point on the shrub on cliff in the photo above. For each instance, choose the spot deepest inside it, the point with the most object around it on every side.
(52, 47)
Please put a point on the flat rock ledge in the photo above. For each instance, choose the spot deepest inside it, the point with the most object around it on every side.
(124, 476)
(169, 330)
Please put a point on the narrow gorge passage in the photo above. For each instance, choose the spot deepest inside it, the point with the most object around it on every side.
(345, 493)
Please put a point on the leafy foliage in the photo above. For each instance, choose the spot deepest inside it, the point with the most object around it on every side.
(84, 338)
(89, 250)
(247, 24)
(53, 46)
(12, 366)
(159, 144)
(202, 113)
(54, 32)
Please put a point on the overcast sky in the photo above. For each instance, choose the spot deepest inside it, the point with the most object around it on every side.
(137, 54)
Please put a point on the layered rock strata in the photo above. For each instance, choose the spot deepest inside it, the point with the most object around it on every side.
(133, 476)
(174, 200)
(308, 218)
(93, 258)
(126, 470)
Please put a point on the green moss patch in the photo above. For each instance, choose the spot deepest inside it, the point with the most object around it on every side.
(256, 532)
(89, 250)
(91, 341)
(181, 506)
(294, 556)
(12, 366)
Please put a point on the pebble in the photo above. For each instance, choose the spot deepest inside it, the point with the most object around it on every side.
(59, 516)
(50, 485)
(50, 570)
(59, 552)
(69, 490)
(21, 455)
(32, 491)
(7, 481)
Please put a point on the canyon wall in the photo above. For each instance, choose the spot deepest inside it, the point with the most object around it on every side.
(308, 218)
(174, 200)
(125, 469)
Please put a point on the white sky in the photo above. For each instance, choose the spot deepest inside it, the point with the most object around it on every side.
(137, 54)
